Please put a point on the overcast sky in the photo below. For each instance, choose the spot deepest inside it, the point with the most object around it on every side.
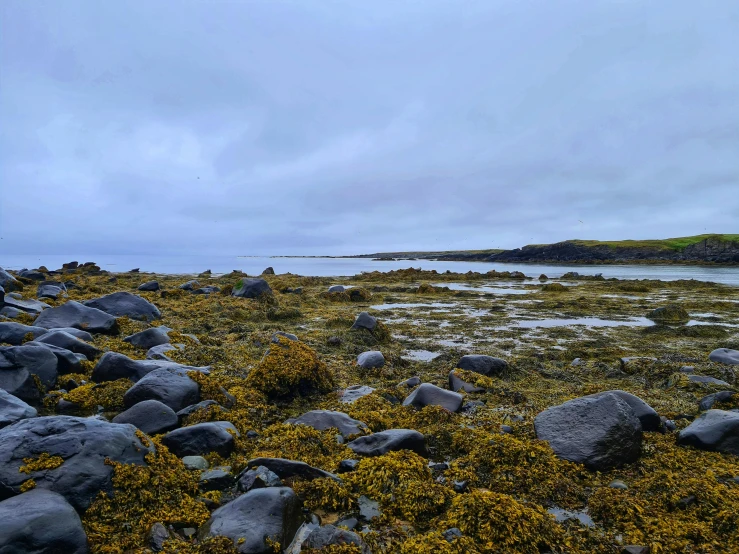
(319, 126)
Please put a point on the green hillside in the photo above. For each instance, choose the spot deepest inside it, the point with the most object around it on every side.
(677, 244)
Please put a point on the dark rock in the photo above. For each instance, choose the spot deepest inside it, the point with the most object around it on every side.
(14, 333)
(687, 502)
(168, 386)
(149, 338)
(258, 478)
(708, 401)
(635, 549)
(32, 274)
(371, 360)
(67, 361)
(150, 416)
(354, 393)
(706, 380)
(336, 288)
(123, 303)
(669, 314)
(33, 307)
(714, 430)
(460, 486)
(289, 468)
(456, 383)
(334, 341)
(66, 407)
(383, 442)
(484, 365)
(149, 286)
(10, 312)
(471, 406)
(13, 409)
(268, 271)
(62, 339)
(200, 439)
(159, 352)
(19, 365)
(79, 316)
(216, 479)
(40, 522)
(368, 508)
(251, 288)
(365, 321)
(330, 535)
(83, 443)
(650, 420)
(289, 336)
(190, 285)
(49, 291)
(452, 534)
(157, 536)
(207, 290)
(191, 409)
(348, 522)
(8, 282)
(114, 366)
(431, 395)
(250, 519)
(79, 333)
(725, 356)
(346, 466)
(326, 419)
(600, 432)
(410, 383)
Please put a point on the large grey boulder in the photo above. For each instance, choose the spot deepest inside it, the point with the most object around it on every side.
(114, 366)
(336, 288)
(371, 360)
(8, 282)
(126, 304)
(79, 333)
(165, 385)
(201, 439)
(83, 444)
(28, 305)
(649, 418)
(13, 409)
(13, 333)
(250, 519)
(431, 395)
(40, 522)
(79, 316)
(251, 288)
(383, 442)
(149, 286)
(327, 419)
(150, 416)
(20, 366)
(149, 338)
(67, 361)
(599, 432)
(484, 365)
(709, 400)
(715, 430)
(49, 291)
(365, 321)
(725, 356)
(69, 342)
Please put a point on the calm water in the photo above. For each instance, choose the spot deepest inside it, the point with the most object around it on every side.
(325, 267)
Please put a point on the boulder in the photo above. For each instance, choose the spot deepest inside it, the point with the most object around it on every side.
(33, 307)
(149, 286)
(149, 338)
(336, 288)
(600, 432)
(456, 383)
(371, 360)
(706, 380)
(168, 386)
(190, 285)
(79, 316)
(258, 478)
(365, 321)
(79, 333)
(8, 282)
(192, 408)
(725, 356)
(431, 395)
(32, 274)
(67, 361)
(49, 291)
(82, 443)
(251, 288)
(289, 336)
(649, 418)
(195, 462)
(216, 479)
(327, 419)
(159, 352)
(150, 416)
(21, 365)
(40, 522)
(62, 339)
(122, 303)
(199, 440)
(13, 409)
(268, 271)
(383, 442)
(708, 401)
(354, 393)
(114, 366)
(290, 468)
(207, 290)
(410, 383)
(714, 430)
(13, 333)
(484, 365)
(328, 535)
(271, 513)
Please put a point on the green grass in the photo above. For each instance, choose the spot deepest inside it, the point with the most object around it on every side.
(678, 243)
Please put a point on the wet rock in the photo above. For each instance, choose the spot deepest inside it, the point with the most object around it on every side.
(49, 291)
(714, 430)
(195, 462)
(368, 509)
(484, 365)
(33, 307)
(216, 479)
(168, 386)
(40, 522)
(336, 288)
(83, 444)
(149, 338)
(618, 484)
(669, 314)
(371, 360)
(14, 333)
(190, 285)
(126, 304)
(326, 419)
(452, 534)
(21, 365)
(431, 395)
(251, 288)
(192, 408)
(383, 442)
(67, 361)
(268, 271)
(289, 468)
(207, 290)
(600, 432)
(251, 518)
(79, 316)
(346, 466)
(725, 356)
(114, 366)
(708, 401)
(410, 383)
(62, 339)
(150, 416)
(650, 420)
(159, 352)
(258, 478)
(79, 333)
(13, 409)
(456, 383)
(32, 274)
(365, 321)
(199, 440)
(329, 535)
(157, 536)
(149, 286)
(706, 380)
(8, 282)
(354, 393)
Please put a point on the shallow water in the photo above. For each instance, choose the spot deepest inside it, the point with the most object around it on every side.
(430, 305)
(420, 355)
(586, 321)
(486, 288)
(561, 515)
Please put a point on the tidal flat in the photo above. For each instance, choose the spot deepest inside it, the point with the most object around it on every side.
(485, 484)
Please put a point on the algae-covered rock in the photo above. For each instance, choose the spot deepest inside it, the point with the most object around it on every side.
(669, 314)
(251, 288)
(327, 419)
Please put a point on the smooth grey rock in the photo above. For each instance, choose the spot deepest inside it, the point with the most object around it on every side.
(212, 289)
(368, 509)
(150, 416)
(714, 430)
(600, 432)
(328, 535)
(365, 321)
(67, 361)
(159, 352)
(79, 316)
(62, 339)
(431, 395)
(114, 366)
(650, 420)
(371, 360)
(484, 365)
(190, 285)
(327, 419)
(13, 409)
(273, 512)
(124, 303)
(258, 478)
(289, 468)
(251, 288)
(192, 408)
(216, 479)
(708, 401)
(79, 333)
(83, 443)
(40, 522)
(410, 383)
(149, 286)
(19, 365)
(456, 384)
(28, 305)
(200, 439)
(49, 291)
(13, 333)
(354, 393)
(195, 462)
(725, 356)
(168, 386)
(32, 274)
(157, 536)
(383, 442)
(8, 282)
(706, 380)
(336, 288)
(10, 312)
(149, 338)
(268, 271)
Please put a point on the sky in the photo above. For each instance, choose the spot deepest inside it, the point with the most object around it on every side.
(343, 127)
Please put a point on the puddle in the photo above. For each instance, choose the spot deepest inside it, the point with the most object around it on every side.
(420, 355)
(628, 297)
(433, 306)
(587, 321)
(486, 288)
(561, 515)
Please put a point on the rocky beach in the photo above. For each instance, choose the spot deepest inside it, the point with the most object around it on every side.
(403, 411)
